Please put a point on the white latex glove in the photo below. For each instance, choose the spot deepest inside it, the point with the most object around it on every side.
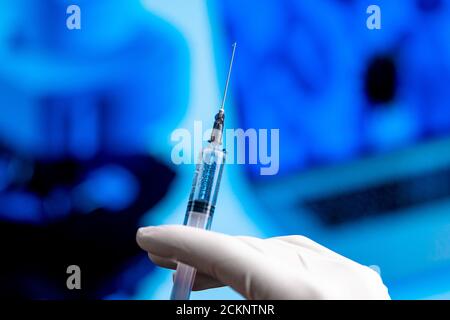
(290, 267)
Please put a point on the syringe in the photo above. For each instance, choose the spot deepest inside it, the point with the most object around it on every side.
(205, 187)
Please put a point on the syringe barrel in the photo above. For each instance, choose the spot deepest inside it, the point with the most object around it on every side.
(200, 209)
(205, 186)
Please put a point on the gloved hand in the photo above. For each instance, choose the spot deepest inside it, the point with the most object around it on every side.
(290, 267)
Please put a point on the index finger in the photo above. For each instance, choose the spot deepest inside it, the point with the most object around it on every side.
(220, 256)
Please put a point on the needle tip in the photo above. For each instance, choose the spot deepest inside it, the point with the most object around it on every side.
(228, 78)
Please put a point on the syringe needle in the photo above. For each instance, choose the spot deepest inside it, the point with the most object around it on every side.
(228, 78)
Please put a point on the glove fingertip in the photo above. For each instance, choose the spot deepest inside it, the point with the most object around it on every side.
(142, 236)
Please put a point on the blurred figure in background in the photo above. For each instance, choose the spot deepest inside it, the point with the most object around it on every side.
(80, 110)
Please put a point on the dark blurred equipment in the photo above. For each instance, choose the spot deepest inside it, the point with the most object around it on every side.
(393, 196)
(381, 80)
(70, 224)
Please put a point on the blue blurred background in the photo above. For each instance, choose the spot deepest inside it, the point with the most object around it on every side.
(86, 117)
